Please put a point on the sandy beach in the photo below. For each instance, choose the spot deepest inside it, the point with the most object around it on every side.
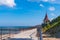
(31, 33)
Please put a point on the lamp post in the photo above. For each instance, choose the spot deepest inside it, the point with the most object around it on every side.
(39, 32)
(41, 38)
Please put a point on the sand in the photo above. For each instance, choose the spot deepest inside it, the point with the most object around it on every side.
(30, 33)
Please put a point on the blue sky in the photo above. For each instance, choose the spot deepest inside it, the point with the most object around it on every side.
(27, 12)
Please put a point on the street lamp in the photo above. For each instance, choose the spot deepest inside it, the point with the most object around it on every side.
(39, 32)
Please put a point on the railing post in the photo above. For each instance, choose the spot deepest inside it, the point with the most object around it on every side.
(1, 33)
(9, 33)
(39, 32)
(41, 38)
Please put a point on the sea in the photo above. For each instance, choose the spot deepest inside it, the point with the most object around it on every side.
(15, 26)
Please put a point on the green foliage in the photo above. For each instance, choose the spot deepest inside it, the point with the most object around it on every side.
(55, 20)
(54, 23)
(47, 26)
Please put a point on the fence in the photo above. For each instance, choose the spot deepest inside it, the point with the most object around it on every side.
(6, 33)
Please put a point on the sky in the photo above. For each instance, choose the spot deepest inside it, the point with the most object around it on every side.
(27, 12)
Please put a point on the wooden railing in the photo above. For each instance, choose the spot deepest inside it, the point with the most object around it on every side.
(6, 33)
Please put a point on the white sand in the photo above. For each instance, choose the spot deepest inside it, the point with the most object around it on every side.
(22, 34)
(25, 34)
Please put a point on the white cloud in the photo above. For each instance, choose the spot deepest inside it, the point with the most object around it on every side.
(52, 14)
(50, 1)
(52, 8)
(9, 3)
(34, 0)
(52, 18)
(53, 0)
(41, 5)
(45, 0)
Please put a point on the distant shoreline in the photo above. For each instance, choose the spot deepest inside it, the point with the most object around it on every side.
(16, 28)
